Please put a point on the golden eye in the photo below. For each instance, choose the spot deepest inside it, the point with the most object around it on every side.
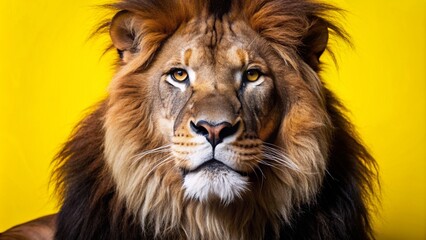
(179, 75)
(252, 75)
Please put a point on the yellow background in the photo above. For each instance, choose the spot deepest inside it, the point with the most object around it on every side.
(50, 73)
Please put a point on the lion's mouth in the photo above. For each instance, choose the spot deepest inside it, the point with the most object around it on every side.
(213, 166)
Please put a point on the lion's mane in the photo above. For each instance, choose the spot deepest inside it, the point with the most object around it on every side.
(334, 205)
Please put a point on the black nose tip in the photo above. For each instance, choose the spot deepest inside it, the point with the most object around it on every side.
(214, 133)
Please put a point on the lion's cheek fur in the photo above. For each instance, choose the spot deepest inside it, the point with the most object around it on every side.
(305, 134)
(308, 149)
(143, 191)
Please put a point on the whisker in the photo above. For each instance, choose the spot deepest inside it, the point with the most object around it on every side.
(272, 166)
(282, 161)
(161, 163)
(260, 170)
(139, 156)
(278, 157)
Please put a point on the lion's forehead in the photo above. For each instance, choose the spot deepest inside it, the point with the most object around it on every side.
(208, 47)
(199, 56)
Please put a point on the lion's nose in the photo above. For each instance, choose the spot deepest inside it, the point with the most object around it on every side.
(215, 133)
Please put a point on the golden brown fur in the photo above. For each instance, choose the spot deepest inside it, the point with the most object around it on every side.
(290, 165)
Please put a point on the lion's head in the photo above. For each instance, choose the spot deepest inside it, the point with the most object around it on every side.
(217, 125)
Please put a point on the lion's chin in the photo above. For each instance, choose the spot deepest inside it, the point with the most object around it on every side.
(214, 181)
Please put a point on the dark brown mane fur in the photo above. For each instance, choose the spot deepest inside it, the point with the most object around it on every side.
(90, 205)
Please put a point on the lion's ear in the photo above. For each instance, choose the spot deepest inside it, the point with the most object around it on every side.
(124, 32)
(314, 43)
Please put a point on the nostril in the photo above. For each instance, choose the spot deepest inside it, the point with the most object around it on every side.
(229, 130)
(199, 129)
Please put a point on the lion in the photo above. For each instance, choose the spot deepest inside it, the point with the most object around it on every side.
(217, 125)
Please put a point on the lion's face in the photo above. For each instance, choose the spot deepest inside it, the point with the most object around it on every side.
(214, 112)
(218, 104)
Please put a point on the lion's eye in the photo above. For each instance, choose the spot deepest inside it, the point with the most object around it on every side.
(179, 75)
(252, 75)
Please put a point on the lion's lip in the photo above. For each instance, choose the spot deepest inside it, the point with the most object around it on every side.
(213, 165)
